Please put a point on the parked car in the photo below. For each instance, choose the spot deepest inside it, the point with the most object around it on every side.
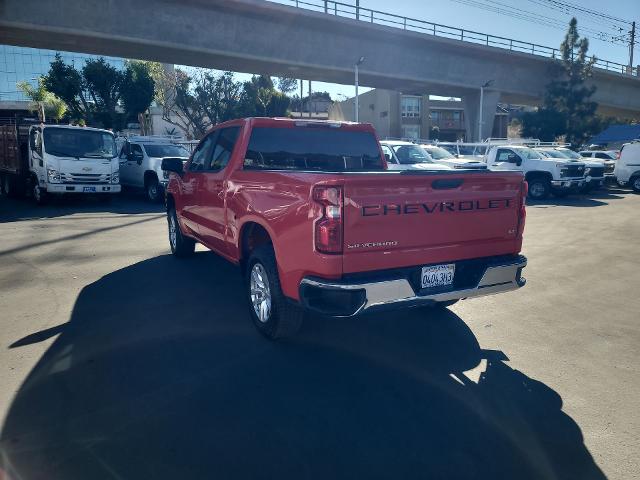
(594, 171)
(444, 157)
(141, 164)
(310, 213)
(601, 154)
(44, 160)
(401, 155)
(627, 171)
(544, 175)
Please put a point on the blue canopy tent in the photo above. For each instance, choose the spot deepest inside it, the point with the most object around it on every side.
(617, 134)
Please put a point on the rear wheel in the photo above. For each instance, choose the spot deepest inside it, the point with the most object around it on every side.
(539, 188)
(635, 184)
(272, 313)
(181, 246)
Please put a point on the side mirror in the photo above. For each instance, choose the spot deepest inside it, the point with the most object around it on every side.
(173, 164)
(513, 158)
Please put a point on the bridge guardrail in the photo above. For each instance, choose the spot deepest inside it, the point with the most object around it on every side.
(378, 17)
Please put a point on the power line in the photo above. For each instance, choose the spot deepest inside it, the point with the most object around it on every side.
(504, 9)
(573, 6)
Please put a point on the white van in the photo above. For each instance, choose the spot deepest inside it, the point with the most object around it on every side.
(627, 171)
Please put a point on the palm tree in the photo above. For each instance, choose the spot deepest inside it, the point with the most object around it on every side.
(43, 101)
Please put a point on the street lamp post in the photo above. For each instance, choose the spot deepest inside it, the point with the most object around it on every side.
(480, 122)
(358, 63)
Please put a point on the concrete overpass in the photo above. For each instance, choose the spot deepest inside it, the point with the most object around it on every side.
(263, 37)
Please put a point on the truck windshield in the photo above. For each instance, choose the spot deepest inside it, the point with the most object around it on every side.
(570, 153)
(554, 154)
(309, 148)
(167, 150)
(72, 142)
(529, 153)
(411, 154)
(439, 153)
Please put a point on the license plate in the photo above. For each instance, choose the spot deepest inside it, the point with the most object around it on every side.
(438, 275)
(88, 189)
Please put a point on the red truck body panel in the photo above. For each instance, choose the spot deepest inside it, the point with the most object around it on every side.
(390, 219)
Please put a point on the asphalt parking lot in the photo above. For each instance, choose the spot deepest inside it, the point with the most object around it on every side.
(119, 361)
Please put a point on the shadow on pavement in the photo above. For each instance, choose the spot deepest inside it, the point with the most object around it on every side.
(13, 210)
(160, 374)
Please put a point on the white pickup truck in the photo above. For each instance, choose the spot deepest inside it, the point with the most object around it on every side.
(141, 161)
(544, 175)
(444, 157)
(43, 160)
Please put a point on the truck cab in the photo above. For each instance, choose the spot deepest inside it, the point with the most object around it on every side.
(544, 175)
(141, 164)
(627, 170)
(63, 159)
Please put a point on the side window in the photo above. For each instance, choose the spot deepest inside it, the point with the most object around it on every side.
(387, 153)
(202, 153)
(602, 155)
(223, 149)
(136, 150)
(35, 141)
(502, 155)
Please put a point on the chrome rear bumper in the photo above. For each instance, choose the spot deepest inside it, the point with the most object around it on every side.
(360, 297)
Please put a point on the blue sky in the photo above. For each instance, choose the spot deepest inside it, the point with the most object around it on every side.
(462, 14)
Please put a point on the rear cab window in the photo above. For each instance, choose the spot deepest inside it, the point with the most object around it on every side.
(312, 148)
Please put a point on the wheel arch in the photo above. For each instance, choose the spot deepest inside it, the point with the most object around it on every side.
(252, 235)
(538, 174)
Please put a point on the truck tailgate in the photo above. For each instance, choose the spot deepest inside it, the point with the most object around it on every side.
(405, 219)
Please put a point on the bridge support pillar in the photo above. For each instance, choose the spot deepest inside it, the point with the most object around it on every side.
(490, 99)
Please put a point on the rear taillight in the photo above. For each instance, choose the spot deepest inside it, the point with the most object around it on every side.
(522, 214)
(328, 228)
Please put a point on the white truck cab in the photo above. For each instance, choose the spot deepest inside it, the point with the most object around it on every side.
(401, 155)
(141, 161)
(594, 170)
(65, 159)
(627, 170)
(444, 157)
(544, 175)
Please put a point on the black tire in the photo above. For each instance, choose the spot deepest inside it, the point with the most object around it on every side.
(153, 189)
(284, 318)
(38, 194)
(634, 183)
(539, 188)
(181, 246)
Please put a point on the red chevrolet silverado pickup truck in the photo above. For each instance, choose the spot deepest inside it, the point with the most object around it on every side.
(316, 221)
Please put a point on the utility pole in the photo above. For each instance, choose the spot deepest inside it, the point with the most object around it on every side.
(357, 104)
(301, 87)
(309, 102)
(631, 43)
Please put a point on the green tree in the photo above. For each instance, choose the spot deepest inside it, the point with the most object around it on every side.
(104, 83)
(260, 98)
(568, 109)
(66, 83)
(219, 95)
(137, 89)
(287, 85)
(44, 102)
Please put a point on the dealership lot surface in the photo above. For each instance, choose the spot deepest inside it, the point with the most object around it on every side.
(118, 361)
